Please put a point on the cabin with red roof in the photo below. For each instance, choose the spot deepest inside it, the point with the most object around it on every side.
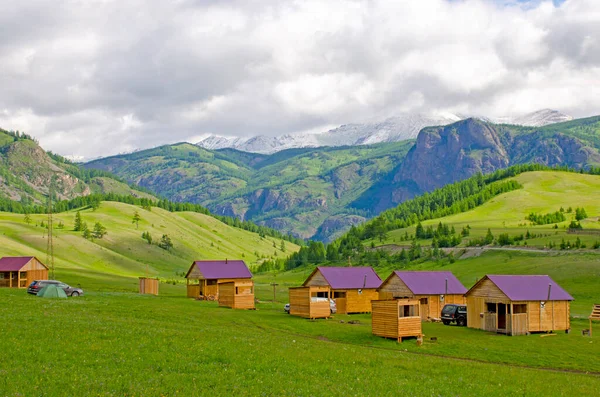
(433, 290)
(228, 281)
(518, 305)
(352, 288)
(20, 271)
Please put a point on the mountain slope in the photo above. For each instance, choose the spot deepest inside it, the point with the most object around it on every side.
(304, 191)
(26, 172)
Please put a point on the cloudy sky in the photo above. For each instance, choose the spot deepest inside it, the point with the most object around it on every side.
(93, 78)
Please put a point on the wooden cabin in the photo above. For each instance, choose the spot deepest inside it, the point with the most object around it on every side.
(433, 290)
(204, 277)
(20, 271)
(352, 288)
(518, 305)
(310, 302)
(237, 294)
(396, 318)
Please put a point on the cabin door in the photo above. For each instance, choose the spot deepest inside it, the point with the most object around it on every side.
(501, 316)
(424, 308)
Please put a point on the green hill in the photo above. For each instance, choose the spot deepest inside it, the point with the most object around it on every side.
(122, 254)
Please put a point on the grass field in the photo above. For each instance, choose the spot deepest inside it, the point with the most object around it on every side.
(543, 192)
(125, 344)
(122, 254)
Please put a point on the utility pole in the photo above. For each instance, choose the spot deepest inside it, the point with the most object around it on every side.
(274, 291)
(50, 242)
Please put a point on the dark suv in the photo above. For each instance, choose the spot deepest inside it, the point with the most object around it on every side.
(454, 313)
(37, 285)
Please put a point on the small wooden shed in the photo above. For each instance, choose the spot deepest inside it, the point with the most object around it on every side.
(310, 302)
(20, 271)
(204, 277)
(352, 288)
(518, 305)
(237, 294)
(396, 318)
(149, 285)
(433, 290)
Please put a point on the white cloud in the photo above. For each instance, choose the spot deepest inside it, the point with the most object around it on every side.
(98, 78)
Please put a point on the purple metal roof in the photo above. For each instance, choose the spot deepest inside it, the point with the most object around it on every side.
(223, 269)
(13, 263)
(530, 288)
(350, 277)
(431, 283)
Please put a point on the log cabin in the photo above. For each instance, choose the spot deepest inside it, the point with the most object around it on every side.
(237, 294)
(20, 271)
(433, 290)
(352, 288)
(396, 318)
(204, 277)
(518, 305)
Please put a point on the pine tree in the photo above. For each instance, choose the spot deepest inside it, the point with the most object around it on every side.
(146, 236)
(27, 218)
(489, 237)
(136, 219)
(78, 222)
(282, 246)
(99, 230)
(165, 242)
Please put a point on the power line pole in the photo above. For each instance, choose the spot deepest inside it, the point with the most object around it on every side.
(50, 242)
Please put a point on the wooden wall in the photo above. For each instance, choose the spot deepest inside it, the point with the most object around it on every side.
(237, 294)
(316, 279)
(301, 304)
(355, 302)
(386, 320)
(394, 287)
(148, 286)
(555, 316)
(193, 290)
(434, 306)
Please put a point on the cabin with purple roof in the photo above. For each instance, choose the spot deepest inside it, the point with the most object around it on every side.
(433, 290)
(20, 271)
(518, 305)
(205, 280)
(352, 288)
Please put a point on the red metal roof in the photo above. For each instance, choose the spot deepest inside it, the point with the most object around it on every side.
(13, 263)
(530, 288)
(431, 283)
(350, 277)
(214, 269)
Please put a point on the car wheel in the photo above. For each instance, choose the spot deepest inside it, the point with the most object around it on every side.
(461, 322)
(446, 322)
(75, 293)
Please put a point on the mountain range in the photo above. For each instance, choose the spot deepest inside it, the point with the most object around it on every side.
(320, 192)
(393, 129)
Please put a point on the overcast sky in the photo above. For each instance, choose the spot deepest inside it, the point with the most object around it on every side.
(94, 78)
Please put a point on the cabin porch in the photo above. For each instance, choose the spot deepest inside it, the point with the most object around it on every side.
(13, 279)
(505, 318)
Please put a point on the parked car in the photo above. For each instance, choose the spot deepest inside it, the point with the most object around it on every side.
(332, 306)
(37, 285)
(454, 313)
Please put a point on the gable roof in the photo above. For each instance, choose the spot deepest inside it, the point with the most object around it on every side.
(14, 263)
(218, 269)
(431, 283)
(529, 288)
(349, 277)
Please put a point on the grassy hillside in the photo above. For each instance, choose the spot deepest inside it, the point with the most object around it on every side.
(123, 252)
(543, 192)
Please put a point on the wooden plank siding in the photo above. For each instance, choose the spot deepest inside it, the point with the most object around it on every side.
(237, 294)
(355, 302)
(148, 286)
(31, 271)
(387, 321)
(302, 305)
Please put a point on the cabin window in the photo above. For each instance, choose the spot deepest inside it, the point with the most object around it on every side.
(237, 290)
(211, 282)
(423, 301)
(491, 307)
(1, 276)
(519, 309)
(408, 311)
(23, 275)
(339, 294)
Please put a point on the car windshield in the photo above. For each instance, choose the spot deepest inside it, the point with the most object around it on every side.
(448, 309)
